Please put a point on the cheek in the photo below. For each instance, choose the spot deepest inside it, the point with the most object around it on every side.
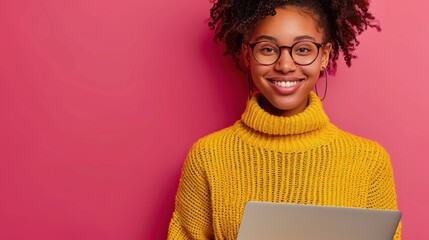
(313, 70)
(259, 70)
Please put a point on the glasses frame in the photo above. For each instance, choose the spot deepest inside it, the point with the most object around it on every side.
(318, 45)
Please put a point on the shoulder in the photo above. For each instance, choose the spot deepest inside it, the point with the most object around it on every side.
(208, 145)
(208, 149)
(362, 146)
(214, 139)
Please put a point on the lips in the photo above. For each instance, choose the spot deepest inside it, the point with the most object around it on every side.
(285, 84)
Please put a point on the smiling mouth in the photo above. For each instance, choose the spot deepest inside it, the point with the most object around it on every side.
(285, 84)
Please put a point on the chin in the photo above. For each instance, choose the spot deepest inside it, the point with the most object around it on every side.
(280, 107)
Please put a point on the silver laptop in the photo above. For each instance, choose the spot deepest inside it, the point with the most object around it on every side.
(272, 221)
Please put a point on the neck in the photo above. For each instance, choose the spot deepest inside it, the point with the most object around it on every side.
(270, 108)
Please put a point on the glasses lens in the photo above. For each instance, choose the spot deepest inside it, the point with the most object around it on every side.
(266, 52)
(304, 53)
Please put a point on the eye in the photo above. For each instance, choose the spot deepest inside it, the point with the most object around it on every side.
(304, 49)
(266, 49)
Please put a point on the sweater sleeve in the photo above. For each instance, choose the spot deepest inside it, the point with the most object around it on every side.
(192, 218)
(382, 193)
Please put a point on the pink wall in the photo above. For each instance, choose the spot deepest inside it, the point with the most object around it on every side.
(101, 100)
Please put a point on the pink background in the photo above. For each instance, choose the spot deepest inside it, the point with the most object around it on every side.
(101, 100)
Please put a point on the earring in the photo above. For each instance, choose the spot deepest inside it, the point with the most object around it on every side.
(250, 84)
(326, 84)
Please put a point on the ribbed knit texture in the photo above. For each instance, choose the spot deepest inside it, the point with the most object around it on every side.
(300, 159)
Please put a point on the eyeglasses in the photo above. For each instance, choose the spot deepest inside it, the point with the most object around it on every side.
(303, 53)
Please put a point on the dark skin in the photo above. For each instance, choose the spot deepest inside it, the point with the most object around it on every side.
(342, 21)
(285, 85)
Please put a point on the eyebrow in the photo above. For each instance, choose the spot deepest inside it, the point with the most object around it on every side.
(273, 39)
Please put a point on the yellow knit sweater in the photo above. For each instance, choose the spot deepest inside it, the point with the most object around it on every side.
(300, 159)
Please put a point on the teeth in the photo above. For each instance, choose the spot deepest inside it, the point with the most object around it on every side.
(285, 84)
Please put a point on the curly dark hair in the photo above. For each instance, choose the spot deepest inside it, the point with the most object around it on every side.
(342, 20)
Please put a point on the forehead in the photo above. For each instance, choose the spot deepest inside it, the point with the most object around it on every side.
(288, 24)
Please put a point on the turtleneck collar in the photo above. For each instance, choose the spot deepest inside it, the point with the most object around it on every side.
(312, 118)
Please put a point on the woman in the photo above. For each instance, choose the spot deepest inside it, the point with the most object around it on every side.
(284, 149)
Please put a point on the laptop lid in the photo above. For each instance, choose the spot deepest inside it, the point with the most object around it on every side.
(266, 220)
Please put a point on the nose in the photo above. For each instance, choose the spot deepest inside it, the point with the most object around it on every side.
(285, 63)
